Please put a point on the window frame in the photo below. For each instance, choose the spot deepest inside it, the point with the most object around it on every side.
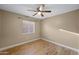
(29, 22)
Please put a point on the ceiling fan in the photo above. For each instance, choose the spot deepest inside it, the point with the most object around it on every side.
(40, 10)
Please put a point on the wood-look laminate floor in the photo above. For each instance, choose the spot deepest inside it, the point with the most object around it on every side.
(39, 47)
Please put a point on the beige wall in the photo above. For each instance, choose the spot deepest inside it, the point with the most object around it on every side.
(69, 22)
(0, 25)
(12, 29)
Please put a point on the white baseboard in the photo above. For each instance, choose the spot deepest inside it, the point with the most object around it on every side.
(74, 49)
(11, 46)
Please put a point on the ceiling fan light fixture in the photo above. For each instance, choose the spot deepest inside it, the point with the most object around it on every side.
(39, 13)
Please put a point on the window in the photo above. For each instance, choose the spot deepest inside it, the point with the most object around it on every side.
(28, 27)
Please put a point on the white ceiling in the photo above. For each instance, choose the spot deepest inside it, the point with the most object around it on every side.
(55, 8)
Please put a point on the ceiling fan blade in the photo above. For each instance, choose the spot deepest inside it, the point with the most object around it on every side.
(32, 10)
(41, 7)
(42, 15)
(38, 9)
(46, 11)
(35, 14)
